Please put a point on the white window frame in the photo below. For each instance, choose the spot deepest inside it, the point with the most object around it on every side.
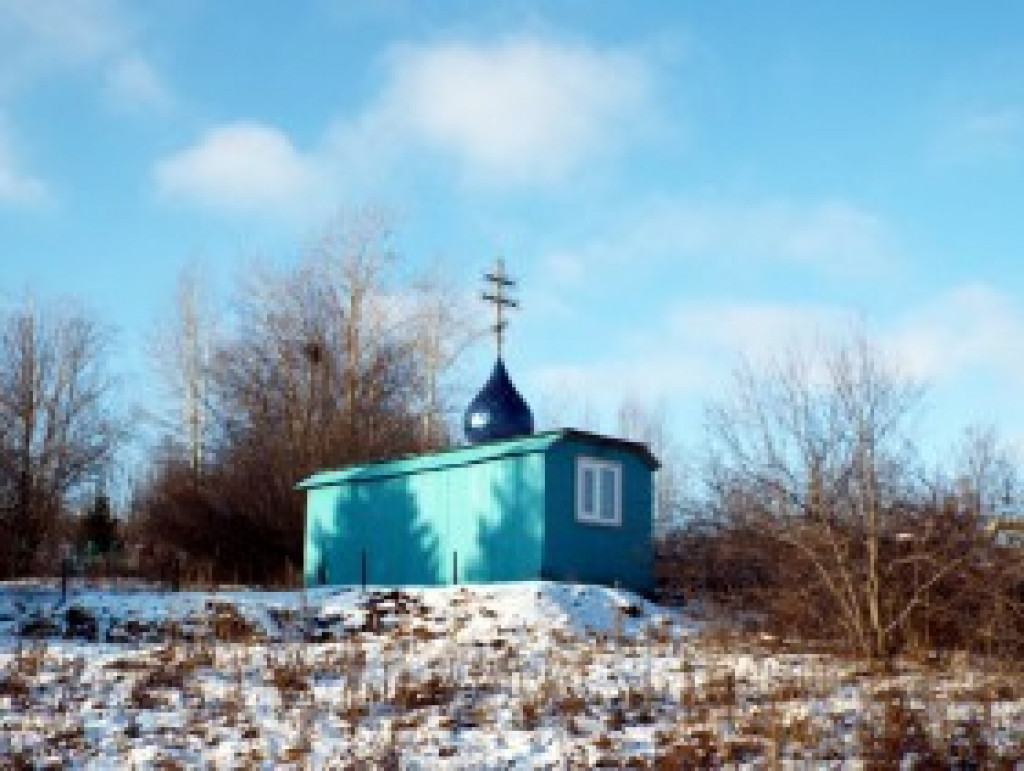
(594, 517)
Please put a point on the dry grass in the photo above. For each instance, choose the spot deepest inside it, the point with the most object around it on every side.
(654, 701)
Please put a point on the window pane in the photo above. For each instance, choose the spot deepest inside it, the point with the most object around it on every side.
(588, 491)
(607, 496)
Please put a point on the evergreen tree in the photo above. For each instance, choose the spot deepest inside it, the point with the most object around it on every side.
(98, 528)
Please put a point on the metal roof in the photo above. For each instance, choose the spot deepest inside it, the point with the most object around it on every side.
(462, 456)
(498, 411)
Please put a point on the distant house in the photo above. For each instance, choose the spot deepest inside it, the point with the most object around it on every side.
(511, 506)
(1007, 529)
(562, 505)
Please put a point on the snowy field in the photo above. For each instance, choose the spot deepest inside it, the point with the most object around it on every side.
(527, 675)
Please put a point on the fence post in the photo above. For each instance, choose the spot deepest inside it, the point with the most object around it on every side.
(455, 567)
(63, 580)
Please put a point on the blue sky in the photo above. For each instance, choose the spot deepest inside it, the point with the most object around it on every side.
(674, 183)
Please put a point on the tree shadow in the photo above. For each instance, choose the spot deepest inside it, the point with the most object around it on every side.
(471, 524)
(509, 534)
(370, 533)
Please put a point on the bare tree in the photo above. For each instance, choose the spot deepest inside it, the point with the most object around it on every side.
(816, 513)
(827, 521)
(649, 424)
(329, 349)
(813, 453)
(443, 328)
(323, 364)
(181, 349)
(985, 471)
(353, 259)
(58, 429)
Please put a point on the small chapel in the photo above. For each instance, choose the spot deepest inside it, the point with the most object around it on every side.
(509, 505)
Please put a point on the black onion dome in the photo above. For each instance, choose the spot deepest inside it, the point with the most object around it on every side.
(498, 411)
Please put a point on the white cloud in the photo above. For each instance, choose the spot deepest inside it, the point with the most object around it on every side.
(37, 37)
(973, 328)
(833, 237)
(756, 330)
(68, 30)
(972, 333)
(47, 37)
(522, 111)
(134, 83)
(17, 188)
(688, 352)
(239, 167)
(603, 383)
(689, 349)
(525, 110)
(981, 138)
(833, 234)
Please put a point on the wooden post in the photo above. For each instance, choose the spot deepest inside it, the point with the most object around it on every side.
(63, 580)
(455, 567)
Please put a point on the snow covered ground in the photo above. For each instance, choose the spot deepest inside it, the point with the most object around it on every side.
(525, 675)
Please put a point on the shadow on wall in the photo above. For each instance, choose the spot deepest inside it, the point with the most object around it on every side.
(377, 535)
(509, 536)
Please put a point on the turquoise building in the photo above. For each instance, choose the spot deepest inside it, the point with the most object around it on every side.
(512, 505)
(562, 505)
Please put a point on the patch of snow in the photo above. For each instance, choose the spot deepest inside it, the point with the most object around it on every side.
(522, 675)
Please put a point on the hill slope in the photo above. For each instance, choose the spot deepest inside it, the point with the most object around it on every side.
(516, 675)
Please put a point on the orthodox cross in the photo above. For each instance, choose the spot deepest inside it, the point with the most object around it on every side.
(500, 282)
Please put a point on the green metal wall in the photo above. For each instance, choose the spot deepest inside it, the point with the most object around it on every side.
(599, 554)
(490, 514)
